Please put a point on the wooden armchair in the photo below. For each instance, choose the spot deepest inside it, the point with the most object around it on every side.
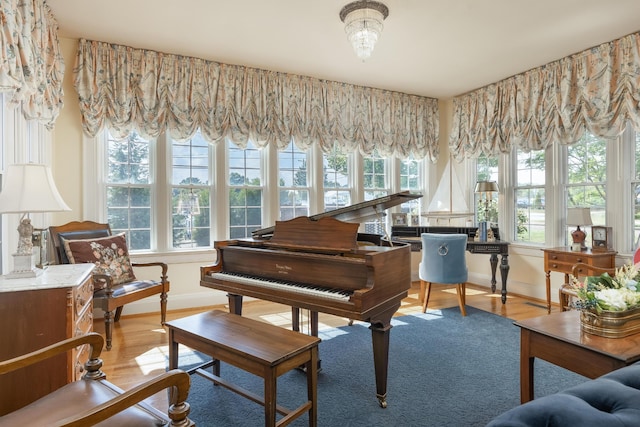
(579, 271)
(93, 399)
(109, 294)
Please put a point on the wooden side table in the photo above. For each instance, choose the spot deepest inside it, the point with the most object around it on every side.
(562, 259)
(558, 339)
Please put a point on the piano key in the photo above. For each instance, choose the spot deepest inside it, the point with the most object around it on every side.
(300, 288)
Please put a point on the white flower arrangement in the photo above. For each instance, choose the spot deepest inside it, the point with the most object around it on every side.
(605, 293)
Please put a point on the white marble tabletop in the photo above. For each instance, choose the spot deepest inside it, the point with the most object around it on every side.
(53, 276)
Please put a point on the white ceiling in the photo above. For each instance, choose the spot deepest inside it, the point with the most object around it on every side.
(435, 48)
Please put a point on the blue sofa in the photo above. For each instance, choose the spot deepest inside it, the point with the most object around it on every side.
(610, 400)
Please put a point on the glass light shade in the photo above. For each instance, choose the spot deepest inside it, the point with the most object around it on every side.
(29, 188)
(363, 25)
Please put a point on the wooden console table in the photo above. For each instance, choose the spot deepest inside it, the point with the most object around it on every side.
(562, 259)
(37, 312)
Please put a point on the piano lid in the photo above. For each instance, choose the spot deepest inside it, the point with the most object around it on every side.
(359, 212)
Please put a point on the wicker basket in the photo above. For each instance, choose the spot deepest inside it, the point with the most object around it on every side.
(611, 324)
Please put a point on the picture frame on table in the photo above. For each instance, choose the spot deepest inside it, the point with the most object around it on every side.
(399, 218)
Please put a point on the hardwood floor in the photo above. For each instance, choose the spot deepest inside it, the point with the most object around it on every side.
(140, 347)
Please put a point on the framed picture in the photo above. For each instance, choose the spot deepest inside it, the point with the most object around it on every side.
(399, 218)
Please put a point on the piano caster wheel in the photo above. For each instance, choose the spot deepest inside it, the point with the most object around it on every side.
(382, 401)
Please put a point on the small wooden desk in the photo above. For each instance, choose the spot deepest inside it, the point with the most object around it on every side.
(557, 338)
(562, 259)
(262, 349)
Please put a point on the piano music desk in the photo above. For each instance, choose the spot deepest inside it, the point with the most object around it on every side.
(262, 349)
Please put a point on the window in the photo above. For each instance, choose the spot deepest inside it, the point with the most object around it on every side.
(337, 185)
(410, 180)
(190, 193)
(587, 177)
(486, 170)
(530, 197)
(129, 190)
(245, 190)
(293, 183)
(174, 196)
(635, 192)
(376, 184)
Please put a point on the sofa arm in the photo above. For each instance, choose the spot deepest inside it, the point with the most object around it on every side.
(610, 400)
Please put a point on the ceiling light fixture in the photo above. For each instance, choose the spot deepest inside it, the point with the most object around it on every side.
(363, 25)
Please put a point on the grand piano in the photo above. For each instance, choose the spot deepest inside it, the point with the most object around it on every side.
(321, 263)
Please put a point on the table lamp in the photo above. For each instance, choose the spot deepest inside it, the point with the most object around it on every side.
(28, 188)
(487, 188)
(578, 217)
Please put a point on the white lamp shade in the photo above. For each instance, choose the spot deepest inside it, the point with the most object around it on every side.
(30, 188)
(579, 216)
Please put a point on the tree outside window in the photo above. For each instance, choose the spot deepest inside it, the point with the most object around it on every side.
(587, 177)
(293, 183)
(190, 194)
(245, 190)
(129, 189)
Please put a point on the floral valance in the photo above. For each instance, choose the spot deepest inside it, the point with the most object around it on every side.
(596, 90)
(31, 64)
(125, 88)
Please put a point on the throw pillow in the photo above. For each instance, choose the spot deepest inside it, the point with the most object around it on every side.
(109, 254)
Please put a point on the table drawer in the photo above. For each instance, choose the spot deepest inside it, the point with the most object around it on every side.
(83, 295)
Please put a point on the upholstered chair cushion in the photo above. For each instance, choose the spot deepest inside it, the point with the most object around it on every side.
(109, 254)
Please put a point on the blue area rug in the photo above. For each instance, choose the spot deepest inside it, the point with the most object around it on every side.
(444, 370)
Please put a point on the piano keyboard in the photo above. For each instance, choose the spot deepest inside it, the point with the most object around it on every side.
(299, 288)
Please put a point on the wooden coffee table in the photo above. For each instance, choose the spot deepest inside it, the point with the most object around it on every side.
(557, 338)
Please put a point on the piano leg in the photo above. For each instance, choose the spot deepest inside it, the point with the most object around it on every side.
(296, 317)
(235, 304)
(380, 329)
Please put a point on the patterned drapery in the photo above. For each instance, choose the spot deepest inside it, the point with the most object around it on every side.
(596, 90)
(31, 64)
(125, 88)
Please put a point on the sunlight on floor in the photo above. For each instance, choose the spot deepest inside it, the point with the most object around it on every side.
(153, 360)
(157, 358)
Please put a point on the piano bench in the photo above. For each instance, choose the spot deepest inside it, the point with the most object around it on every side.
(262, 349)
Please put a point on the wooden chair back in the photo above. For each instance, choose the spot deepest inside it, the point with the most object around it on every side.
(75, 230)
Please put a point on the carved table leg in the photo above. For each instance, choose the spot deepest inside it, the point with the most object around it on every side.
(504, 272)
(494, 263)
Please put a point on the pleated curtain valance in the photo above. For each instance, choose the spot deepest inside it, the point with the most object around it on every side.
(596, 90)
(124, 88)
(31, 64)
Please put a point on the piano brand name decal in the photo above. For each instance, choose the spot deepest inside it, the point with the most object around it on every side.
(283, 269)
